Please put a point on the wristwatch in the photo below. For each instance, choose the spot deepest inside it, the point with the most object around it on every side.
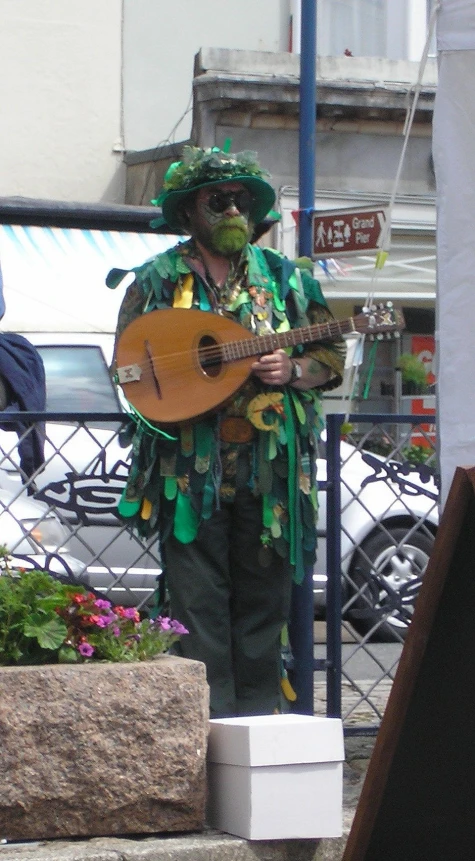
(296, 372)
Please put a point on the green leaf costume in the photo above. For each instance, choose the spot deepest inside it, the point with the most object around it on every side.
(175, 483)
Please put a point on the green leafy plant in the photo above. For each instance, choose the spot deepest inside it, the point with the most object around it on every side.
(417, 453)
(44, 621)
(413, 370)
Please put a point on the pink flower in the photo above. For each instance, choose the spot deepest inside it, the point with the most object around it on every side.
(101, 604)
(178, 628)
(167, 624)
(104, 621)
(131, 613)
(85, 649)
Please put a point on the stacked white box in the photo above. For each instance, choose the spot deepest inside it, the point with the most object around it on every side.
(276, 777)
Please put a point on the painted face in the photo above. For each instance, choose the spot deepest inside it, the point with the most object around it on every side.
(219, 218)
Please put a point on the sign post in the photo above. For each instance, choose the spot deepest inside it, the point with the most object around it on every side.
(347, 231)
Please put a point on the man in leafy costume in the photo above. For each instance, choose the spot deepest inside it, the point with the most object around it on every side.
(233, 494)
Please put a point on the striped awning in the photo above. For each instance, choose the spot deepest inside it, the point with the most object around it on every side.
(54, 277)
(409, 273)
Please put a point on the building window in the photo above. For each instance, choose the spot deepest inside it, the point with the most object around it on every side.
(351, 26)
(372, 28)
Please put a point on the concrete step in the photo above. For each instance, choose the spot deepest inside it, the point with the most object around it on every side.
(207, 846)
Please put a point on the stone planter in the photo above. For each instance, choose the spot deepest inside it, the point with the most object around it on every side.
(102, 749)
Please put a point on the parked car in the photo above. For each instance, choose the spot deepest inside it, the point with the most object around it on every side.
(388, 521)
(389, 518)
(35, 537)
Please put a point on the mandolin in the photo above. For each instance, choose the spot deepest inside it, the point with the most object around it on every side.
(176, 364)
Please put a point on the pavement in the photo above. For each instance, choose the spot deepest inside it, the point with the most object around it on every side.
(209, 845)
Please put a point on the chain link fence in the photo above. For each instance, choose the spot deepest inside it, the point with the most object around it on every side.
(80, 482)
(382, 517)
(378, 518)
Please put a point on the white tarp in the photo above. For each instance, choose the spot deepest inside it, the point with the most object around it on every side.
(54, 278)
(453, 148)
(456, 25)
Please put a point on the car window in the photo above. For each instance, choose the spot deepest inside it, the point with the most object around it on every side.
(78, 380)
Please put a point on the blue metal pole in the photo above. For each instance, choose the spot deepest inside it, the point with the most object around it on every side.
(307, 130)
(334, 586)
(301, 640)
(302, 614)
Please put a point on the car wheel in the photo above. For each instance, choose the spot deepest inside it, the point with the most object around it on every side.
(385, 579)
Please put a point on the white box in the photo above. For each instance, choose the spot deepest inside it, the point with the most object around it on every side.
(276, 777)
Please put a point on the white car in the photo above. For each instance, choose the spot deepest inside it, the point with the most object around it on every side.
(388, 517)
(35, 538)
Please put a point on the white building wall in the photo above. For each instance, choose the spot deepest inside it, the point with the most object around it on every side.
(60, 68)
(83, 78)
(160, 42)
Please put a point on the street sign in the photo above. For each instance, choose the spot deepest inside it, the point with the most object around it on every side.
(347, 231)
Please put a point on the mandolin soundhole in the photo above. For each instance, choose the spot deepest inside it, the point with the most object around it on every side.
(209, 356)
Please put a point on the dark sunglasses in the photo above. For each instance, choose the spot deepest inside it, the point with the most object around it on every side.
(220, 201)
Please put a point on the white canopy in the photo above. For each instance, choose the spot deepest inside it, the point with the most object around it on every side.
(54, 277)
(456, 25)
(453, 148)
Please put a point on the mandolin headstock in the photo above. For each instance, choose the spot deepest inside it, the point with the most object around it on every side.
(380, 321)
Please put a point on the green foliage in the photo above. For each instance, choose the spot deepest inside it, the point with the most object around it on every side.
(417, 453)
(30, 628)
(44, 621)
(209, 165)
(412, 370)
(138, 641)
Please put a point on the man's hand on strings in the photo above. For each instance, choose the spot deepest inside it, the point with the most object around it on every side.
(273, 369)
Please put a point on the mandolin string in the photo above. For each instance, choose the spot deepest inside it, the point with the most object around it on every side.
(331, 329)
(228, 351)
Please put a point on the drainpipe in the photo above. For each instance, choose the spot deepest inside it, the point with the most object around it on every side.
(295, 11)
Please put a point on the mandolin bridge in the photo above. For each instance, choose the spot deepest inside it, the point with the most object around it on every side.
(129, 373)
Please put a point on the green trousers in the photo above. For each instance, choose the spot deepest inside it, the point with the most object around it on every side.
(233, 605)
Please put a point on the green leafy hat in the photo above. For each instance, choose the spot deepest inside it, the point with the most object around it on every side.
(202, 167)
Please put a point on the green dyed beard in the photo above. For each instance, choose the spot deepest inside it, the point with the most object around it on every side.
(230, 235)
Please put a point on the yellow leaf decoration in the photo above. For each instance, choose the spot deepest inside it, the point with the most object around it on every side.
(146, 510)
(288, 690)
(183, 295)
(267, 401)
(304, 483)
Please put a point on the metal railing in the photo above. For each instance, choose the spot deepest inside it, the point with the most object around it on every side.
(81, 481)
(374, 569)
(381, 495)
